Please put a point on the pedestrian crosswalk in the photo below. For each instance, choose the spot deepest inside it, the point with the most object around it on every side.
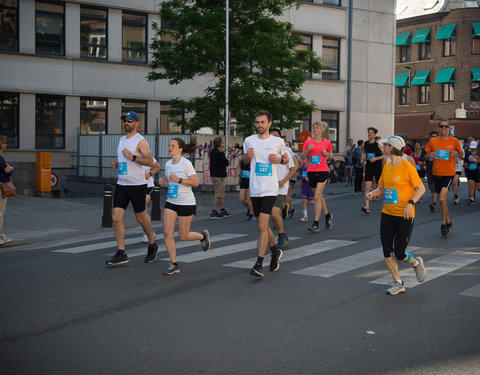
(228, 245)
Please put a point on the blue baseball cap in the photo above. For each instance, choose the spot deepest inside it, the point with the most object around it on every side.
(130, 116)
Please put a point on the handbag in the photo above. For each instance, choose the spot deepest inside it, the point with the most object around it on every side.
(8, 189)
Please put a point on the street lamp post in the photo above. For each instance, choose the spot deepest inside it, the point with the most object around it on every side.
(227, 75)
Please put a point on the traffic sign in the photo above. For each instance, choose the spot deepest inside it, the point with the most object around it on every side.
(54, 180)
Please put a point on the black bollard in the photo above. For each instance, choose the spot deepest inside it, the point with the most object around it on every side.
(156, 213)
(107, 206)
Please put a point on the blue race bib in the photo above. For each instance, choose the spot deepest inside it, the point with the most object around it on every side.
(390, 196)
(418, 166)
(304, 174)
(315, 159)
(263, 169)
(472, 166)
(443, 154)
(370, 155)
(245, 173)
(172, 191)
(122, 167)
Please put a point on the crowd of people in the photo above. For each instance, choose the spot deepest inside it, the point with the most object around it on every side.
(387, 169)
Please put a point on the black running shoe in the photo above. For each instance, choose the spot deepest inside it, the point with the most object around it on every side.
(257, 271)
(118, 259)
(432, 207)
(328, 221)
(275, 262)
(206, 242)
(445, 231)
(151, 254)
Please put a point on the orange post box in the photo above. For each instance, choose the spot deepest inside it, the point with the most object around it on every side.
(43, 179)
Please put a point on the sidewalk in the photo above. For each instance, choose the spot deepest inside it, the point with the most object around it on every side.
(31, 219)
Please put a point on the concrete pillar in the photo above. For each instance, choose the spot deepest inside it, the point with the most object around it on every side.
(26, 20)
(114, 113)
(114, 35)
(72, 122)
(72, 31)
(27, 121)
(153, 114)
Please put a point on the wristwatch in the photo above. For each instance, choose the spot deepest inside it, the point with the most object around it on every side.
(411, 202)
(134, 157)
(180, 180)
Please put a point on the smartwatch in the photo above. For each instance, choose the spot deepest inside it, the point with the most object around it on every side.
(134, 157)
(180, 180)
(411, 202)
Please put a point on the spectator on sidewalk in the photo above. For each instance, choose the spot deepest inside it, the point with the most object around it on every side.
(6, 172)
(218, 172)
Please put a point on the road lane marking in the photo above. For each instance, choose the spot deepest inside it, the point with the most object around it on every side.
(472, 292)
(297, 253)
(346, 264)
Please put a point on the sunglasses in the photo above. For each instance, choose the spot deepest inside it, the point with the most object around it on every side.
(127, 120)
(388, 144)
(284, 137)
(444, 126)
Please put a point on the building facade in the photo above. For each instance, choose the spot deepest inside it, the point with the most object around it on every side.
(438, 73)
(73, 67)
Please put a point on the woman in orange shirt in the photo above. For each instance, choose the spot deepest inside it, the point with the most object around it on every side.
(401, 188)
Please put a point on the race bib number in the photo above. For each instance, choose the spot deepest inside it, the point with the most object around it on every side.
(304, 174)
(390, 196)
(172, 191)
(443, 154)
(472, 166)
(315, 159)
(245, 173)
(370, 155)
(418, 166)
(263, 169)
(122, 167)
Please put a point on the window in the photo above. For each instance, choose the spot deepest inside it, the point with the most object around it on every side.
(140, 107)
(475, 91)
(49, 28)
(331, 118)
(168, 125)
(404, 95)
(300, 126)
(305, 45)
(9, 118)
(476, 45)
(93, 116)
(424, 94)
(49, 122)
(9, 25)
(93, 33)
(448, 92)
(450, 47)
(331, 58)
(333, 2)
(134, 38)
(424, 49)
(404, 53)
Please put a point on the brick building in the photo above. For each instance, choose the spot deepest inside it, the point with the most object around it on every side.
(437, 70)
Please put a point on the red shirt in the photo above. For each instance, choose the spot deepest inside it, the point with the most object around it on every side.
(317, 162)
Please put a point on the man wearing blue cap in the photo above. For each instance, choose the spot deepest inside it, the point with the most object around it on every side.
(133, 153)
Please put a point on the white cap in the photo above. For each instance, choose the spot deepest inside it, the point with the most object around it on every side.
(396, 141)
(473, 144)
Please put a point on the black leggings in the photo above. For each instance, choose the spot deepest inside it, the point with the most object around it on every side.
(395, 232)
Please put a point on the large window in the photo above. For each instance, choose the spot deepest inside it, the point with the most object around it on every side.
(305, 45)
(93, 33)
(448, 92)
(424, 94)
(168, 125)
(49, 28)
(93, 116)
(49, 122)
(475, 91)
(333, 2)
(424, 50)
(404, 95)
(139, 106)
(9, 118)
(332, 119)
(9, 25)
(404, 54)
(449, 47)
(476, 45)
(134, 38)
(331, 58)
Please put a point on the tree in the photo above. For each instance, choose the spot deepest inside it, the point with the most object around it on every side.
(266, 69)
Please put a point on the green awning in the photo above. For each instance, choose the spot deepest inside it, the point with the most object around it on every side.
(421, 36)
(475, 74)
(401, 79)
(445, 76)
(421, 78)
(476, 29)
(402, 38)
(446, 32)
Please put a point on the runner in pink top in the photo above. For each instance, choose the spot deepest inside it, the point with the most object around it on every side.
(317, 150)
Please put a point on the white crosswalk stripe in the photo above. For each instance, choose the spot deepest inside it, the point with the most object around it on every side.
(346, 264)
(435, 268)
(221, 251)
(472, 292)
(299, 252)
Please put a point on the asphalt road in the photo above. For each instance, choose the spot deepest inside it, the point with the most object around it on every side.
(324, 312)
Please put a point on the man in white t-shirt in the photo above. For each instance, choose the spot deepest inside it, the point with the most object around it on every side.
(264, 152)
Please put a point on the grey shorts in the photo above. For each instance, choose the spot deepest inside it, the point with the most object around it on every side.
(280, 201)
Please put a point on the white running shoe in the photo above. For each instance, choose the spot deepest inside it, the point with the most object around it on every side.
(305, 218)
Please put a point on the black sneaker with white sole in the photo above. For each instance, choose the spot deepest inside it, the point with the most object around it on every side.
(118, 259)
(257, 270)
(328, 221)
(275, 262)
(151, 253)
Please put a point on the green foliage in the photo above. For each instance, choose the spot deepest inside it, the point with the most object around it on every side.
(266, 71)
